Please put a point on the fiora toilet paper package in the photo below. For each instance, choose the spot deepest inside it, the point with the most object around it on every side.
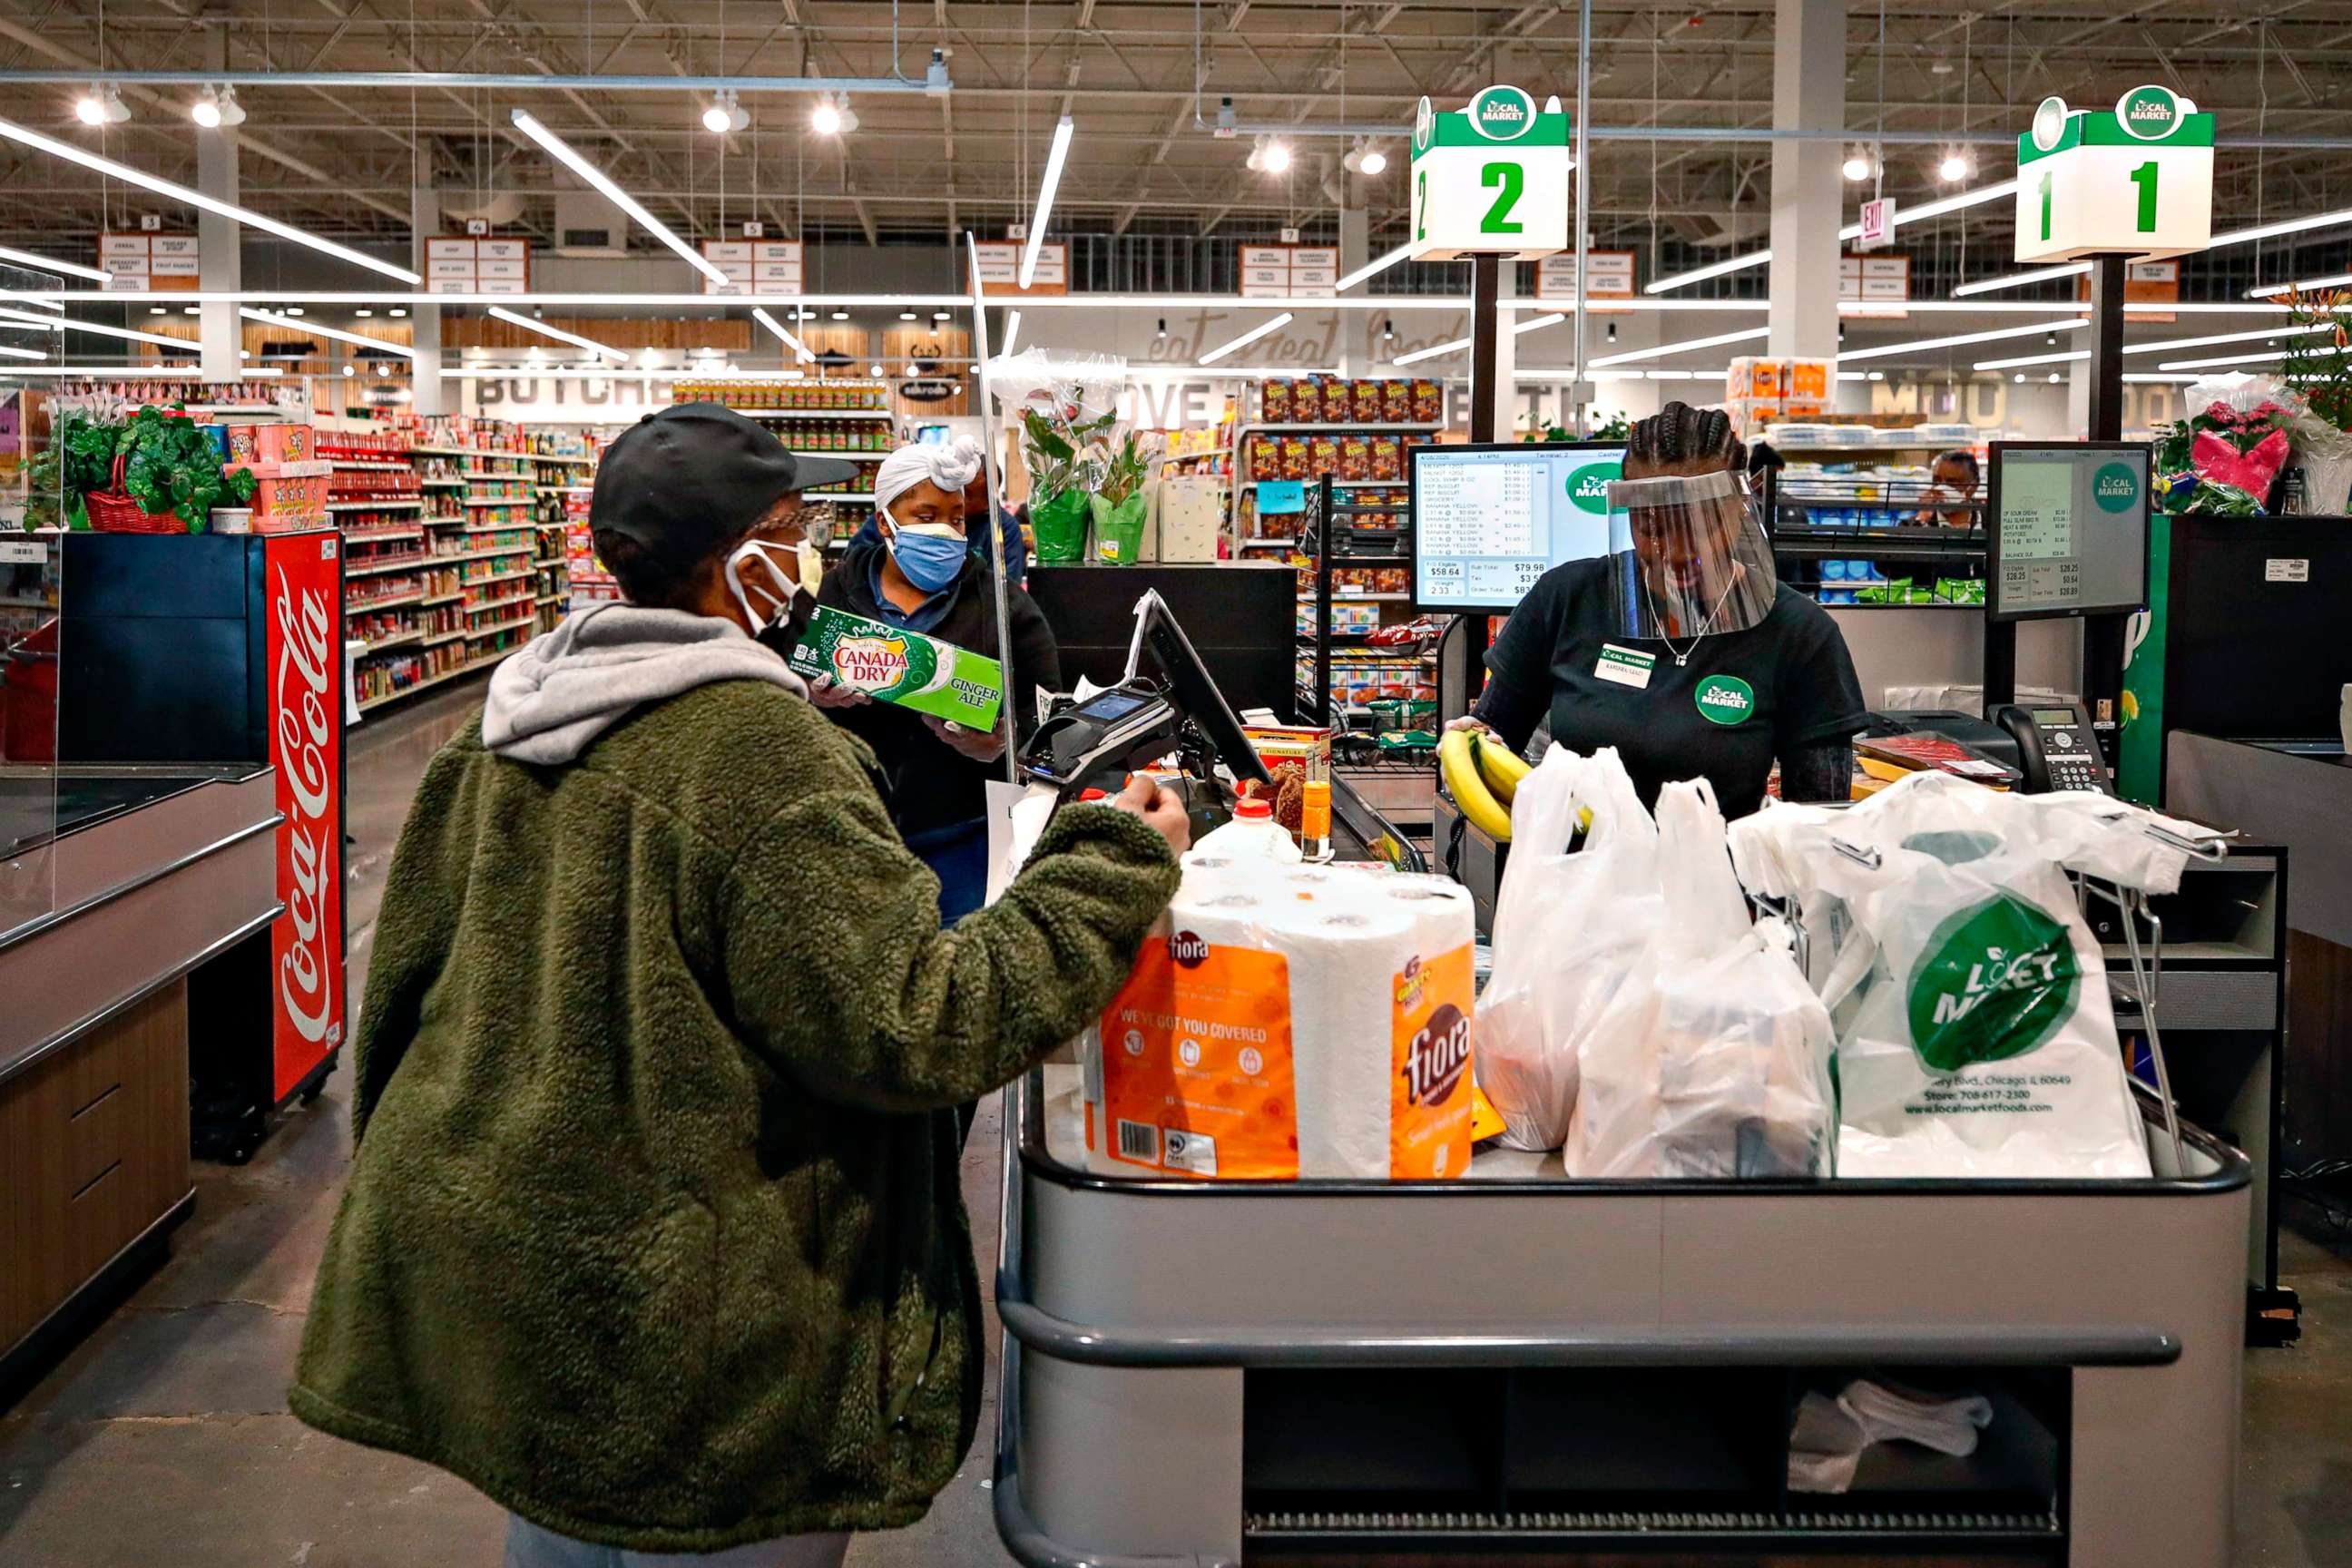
(1293, 1021)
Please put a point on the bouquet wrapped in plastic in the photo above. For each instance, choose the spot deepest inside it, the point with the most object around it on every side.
(1065, 408)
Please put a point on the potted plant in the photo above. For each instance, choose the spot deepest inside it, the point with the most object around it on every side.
(79, 459)
(1119, 504)
(2316, 361)
(170, 475)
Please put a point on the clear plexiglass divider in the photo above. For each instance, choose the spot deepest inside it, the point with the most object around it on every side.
(32, 557)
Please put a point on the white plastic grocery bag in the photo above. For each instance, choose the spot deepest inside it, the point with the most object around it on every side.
(1974, 1033)
(1568, 927)
(1712, 1059)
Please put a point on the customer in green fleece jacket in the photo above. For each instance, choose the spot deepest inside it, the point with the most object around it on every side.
(654, 1232)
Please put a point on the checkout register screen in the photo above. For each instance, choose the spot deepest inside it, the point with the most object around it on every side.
(2070, 531)
(1489, 521)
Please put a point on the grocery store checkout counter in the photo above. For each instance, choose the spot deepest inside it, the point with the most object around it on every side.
(1219, 1349)
(145, 868)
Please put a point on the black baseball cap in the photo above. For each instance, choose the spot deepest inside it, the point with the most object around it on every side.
(689, 480)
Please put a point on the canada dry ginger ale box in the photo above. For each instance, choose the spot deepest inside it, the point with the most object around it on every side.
(892, 664)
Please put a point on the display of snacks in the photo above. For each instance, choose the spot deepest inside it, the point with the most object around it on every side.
(784, 395)
(1294, 457)
(1355, 457)
(1322, 456)
(1364, 400)
(1385, 458)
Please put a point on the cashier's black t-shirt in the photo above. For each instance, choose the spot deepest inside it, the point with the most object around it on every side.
(1744, 697)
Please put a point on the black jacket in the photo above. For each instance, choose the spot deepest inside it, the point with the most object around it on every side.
(929, 784)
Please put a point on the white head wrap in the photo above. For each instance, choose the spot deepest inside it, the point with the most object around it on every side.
(951, 467)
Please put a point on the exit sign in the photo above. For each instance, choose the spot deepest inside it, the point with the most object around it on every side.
(1877, 223)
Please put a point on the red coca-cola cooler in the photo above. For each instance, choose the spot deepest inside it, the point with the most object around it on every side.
(189, 654)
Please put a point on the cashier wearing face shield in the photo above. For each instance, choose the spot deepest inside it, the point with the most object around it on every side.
(1680, 648)
(913, 566)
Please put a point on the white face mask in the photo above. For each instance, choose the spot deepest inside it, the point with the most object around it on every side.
(772, 580)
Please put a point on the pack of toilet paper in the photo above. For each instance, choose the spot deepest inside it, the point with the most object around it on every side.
(1293, 1021)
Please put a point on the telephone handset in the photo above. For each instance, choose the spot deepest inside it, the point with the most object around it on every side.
(2055, 747)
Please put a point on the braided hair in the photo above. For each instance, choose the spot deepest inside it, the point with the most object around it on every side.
(1680, 439)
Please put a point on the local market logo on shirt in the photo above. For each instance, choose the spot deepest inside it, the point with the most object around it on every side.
(1587, 487)
(876, 663)
(2115, 488)
(1725, 700)
(1995, 981)
(2151, 113)
(1502, 113)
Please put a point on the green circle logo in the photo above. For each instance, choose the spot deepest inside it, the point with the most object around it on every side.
(1725, 700)
(1587, 487)
(2150, 113)
(1994, 981)
(2115, 488)
(2050, 123)
(1502, 113)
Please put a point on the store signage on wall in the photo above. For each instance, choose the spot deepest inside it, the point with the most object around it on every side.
(1000, 268)
(1490, 179)
(2145, 283)
(2137, 180)
(1281, 271)
(304, 578)
(1613, 278)
(139, 262)
(1882, 284)
(465, 264)
(754, 266)
(1877, 225)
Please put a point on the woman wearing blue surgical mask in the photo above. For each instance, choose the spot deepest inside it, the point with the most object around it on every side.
(913, 566)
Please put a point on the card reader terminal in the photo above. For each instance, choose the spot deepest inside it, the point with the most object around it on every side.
(1098, 742)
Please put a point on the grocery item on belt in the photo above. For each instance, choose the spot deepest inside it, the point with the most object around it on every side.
(1974, 1033)
(1292, 1021)
(893, 664)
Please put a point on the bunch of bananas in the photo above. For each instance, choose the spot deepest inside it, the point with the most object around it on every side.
(1482, 775)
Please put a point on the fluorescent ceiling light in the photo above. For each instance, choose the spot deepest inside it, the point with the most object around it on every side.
(2069, 357)
(517, 319)
(376, 345)
(1417, 356)
(41, 301)
(2020, 279)
(1011, 331)
(2261, 334)
(528, 123)
(1712, 270)
(1746, 335)
(1378, 265)
(52, 264)
(125, 334)
(2218, 361)
(1963, 339)
(1261, 330)
(1537, 323)
(73, 154)
(2161, 380)
(2302, 285)
(22, 354)
(2283, 225)
(800, 349)
(1056, 156)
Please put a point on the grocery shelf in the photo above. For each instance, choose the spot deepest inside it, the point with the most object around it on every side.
(491, 554)
(439, 638)
(1271, 543)
(368, 463)
(838, 495)
(566, 489)
(484, 662)
(496, 577)
(480, 632)
(436, 482)
(493, 527)
(393, 603)
(374, 535)
(813, 413)
(495, 500)
(544, 562)
(429, 600)
(375, 567)
(409, 505)
(479, 476)
(462, 452)
(378, 645)
(1344, 426)
(1341, 597)
(874, 452)
(553, 457)
(1396, 484)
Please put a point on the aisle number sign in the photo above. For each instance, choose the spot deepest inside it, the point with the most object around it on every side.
(1490, 179)
(2137, 180)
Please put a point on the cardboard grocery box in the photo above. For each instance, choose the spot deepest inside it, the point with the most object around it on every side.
(288, 497)
(892, 664)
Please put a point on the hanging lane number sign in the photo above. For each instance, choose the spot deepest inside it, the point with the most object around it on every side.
(1490, 179)
(2138, 180)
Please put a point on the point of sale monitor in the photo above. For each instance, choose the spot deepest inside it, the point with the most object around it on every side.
(1489, 521)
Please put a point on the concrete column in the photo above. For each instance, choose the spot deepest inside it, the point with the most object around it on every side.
(220, 333)
(423, 221)
(1356, 328)
(1507, 353)
(1808, 200)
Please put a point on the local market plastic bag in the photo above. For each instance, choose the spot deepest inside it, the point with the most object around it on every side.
(1065, 409)
(1713, 1058)
(1571, 920)
(1975, 1034)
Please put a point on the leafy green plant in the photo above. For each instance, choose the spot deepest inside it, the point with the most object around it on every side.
(1129, 462)
(2318, 361)
(77, 460)
(171, 466)
(1616, 427)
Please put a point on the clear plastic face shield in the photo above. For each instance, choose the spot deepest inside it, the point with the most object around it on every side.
(1688, 558)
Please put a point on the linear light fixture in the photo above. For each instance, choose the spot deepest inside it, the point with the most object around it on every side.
(1273, 325)
(73, 154)
(1056, 156)
(52, 264)
(311, 329)
(1417, 356)
(2218, 361)
(2261, 334)
(2021, 279)
(800, 350)
(1963, 339)
(55, 325)
(22, 354)
(41, 300)
(2148, 379)
(2021, 361)
(1746, 335)
(561, 151)
(2301, 285)
(517, 319)
(1011, 331)
(1373, 267)
(1919, 214)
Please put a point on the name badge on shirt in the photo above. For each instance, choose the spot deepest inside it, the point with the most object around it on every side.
(1625, 666)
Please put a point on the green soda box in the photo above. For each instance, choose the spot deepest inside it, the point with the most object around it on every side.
(892, 664)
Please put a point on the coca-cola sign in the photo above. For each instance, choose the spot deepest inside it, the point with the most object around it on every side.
(306, 715)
